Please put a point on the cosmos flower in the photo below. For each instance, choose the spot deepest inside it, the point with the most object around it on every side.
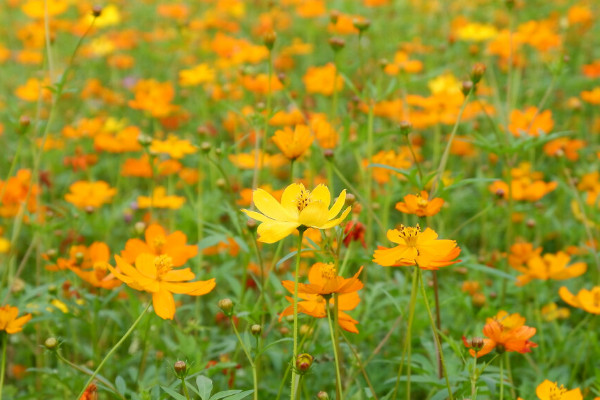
(9, 322)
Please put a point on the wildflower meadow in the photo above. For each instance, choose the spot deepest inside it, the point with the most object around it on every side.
(299, 199)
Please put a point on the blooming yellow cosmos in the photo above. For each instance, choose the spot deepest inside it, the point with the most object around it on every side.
(298, 208)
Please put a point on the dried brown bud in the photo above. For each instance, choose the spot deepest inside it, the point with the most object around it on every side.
(97, 11)
(180, 369)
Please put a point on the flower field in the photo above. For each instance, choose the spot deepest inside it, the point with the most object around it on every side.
(299, 199)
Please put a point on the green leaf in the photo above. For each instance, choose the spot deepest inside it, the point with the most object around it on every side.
(240, 396)
(173, 393)
(224, 394)
(120, 385)
(205, 387)
(492, 271)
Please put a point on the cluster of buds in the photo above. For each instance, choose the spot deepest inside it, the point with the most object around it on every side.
(477, 73)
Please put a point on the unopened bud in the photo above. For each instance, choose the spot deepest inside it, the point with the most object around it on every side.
(227, 306)
(467, 87)
(97, 11)
(256, 329)
(51, 343)
(304, 362)
(328, 154)
(477, 72)
(361, 24)
(139, 227)
(221, 183)
(337, 43)
(79, 257)
(205, 147)
(350, 199)
(144, 139)
(334, 16)
(24, 123)
(405, 127)
(322, 395)
(251, 225)
(180, 369)
(269, 39)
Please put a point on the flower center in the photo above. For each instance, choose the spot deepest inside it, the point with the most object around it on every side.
(158, 243)
(410, 234)
(328, 271)
(422, 203)
(303, 199)
(164, 264)
(556, 392)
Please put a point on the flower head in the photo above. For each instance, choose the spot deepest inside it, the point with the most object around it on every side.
(9, 322)
(298, 208)
(156, 274)
(417, 248)
(551, 391)
(293, 144)
(587, 300)
(84, 194)
(550, 266)
(420, 205)
(505, 332)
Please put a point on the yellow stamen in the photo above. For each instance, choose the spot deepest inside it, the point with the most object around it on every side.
(158, 243)
(303, 199)
(328, 271)
(164, 264)
(410, 234)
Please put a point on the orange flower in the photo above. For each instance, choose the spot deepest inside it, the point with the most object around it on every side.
(157, 242)
(402, 63)
(259, 84)
(402, 159)
(154, 97)
(530, 122)
(34, 89)
(83, 194)
(550, 266)
(566, 146)
(198, 75)
(591, 96)
(15, 192)
(90, 393)
(160, 199)
(505, 333)
(323, 80)
(324, 282)
(293, 144)
(173, 146)
(420, 205)
(91, 265)
(9, 322)
(155, 274)
(551, 391)
(325, 133)
(248, 160)
(551, 312)
(417, 248)
(520, 253)
(587, 300)
(125, 140)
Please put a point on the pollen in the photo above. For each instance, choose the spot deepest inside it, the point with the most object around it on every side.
(422, 203)
(556, 393)
(158, 243)
(328, 271)
(410, 234)
(163, 263)
(303, 199)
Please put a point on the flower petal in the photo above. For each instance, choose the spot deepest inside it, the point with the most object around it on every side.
(163, 303)
(337, 206)
(272, 231)
(270, 207)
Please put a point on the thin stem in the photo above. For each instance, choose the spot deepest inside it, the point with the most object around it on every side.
(501, 379)
(295, 306)
(338, 375)
(435, 333)
(185, 389)
(360, 365)
(4, 339)
(115, 347)
(249, 357)
(88, 372)
(370, 175)
(407, 346)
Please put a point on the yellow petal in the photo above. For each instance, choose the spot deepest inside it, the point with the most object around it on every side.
(337, 206)
(321, 193)
(314, 215)
(271, 232)
(336, 221)
(289, 197)
(256, 216)
(270, 207)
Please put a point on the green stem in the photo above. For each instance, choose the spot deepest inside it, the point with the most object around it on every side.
(115, 347)
(249, 357)
(295, 306)
(338, 375)
(435, 334)
(501, 379)
(407, 346)
(370, 177)
(185, 389)
(4, 339)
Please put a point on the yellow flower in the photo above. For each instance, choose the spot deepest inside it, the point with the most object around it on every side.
(551, 391)
(196, 76)
(587, 300)
(549, 266)
(9, 321)
(173, 146)
(298, 208)
(160, 199)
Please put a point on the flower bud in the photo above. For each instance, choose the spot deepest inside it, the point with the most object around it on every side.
(97, 11)
(144, 139)
(24, 123)
(180, 369)
(334, 16)
(256, 329)
(205, 147)
(361, 24)
(269, 39)
(328, 154)
(139, 227)
(322, 395)
(227, 306)
(251, 225)
(477, 72)
(51, 343)
(304, 362)
(405, 127)
(467, 87)
(337, 43)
